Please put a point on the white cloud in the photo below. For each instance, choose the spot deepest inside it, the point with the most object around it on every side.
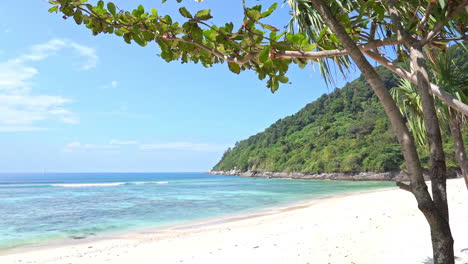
(79, 147)
(20, 109)
(20, 128)
(188, 146)
(87, 52)
(74, 145)
(122, 142)
(113, 84)
(15, 75)
(42, 51)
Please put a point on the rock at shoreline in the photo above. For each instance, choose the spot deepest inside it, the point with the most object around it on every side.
(345, 176)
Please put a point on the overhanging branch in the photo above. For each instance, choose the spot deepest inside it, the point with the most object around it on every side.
(289, 54)
(441, 94)
(334, 53)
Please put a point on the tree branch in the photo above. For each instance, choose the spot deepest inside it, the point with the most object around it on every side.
(435, 31)
(429, 7)
(218, 54)
(402, 34)
(404, 186)
(441, 94)
(334, 53)
(290, 54)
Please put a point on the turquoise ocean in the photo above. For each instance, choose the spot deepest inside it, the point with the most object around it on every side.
(37, 208)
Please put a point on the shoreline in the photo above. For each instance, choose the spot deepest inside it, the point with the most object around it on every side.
(186, 225)
(395, 175)
(338, 229)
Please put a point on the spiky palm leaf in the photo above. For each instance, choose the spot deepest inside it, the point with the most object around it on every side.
(407, 97)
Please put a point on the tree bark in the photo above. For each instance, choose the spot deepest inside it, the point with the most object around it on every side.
(442, 241)
(460, 153)
(401, 130)
(441, 237)
(438, 168)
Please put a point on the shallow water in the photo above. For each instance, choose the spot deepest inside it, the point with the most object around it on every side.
(41, 207)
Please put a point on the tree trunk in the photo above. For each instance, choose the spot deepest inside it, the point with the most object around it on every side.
(460, 153)
(438, 167)
(404, 136)
(442, 241)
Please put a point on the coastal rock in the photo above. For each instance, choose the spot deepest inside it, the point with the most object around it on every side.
(344, 176)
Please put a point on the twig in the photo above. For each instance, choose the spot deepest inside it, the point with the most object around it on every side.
(429, 7)
(404, 186)
(435, 31)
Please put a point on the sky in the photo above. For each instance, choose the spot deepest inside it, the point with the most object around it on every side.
(74, 102)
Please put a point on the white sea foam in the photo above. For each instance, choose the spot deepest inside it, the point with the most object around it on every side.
(75, 185)
(159, 182)
(88, 184)
(162, 182)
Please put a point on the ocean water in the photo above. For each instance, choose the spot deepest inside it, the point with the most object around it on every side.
(36, 208)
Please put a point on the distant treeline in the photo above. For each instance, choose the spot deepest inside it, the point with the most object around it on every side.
(344, 131)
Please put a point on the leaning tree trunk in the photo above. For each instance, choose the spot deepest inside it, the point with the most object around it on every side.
(440, 230)
(438, 167)
(442, 241)
(460, 153)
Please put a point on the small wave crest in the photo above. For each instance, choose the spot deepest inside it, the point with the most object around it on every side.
(105, 184)
(79, 185)
(151, 182)
(73, 185)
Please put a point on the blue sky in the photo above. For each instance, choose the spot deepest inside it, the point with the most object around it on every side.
(73, 102)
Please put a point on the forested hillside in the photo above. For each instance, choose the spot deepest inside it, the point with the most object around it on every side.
(344, 131)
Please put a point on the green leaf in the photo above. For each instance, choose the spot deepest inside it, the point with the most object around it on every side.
(204, 14)
(283, 79)
(141, 9)
(270, 27)
(154, 12)
(147, 36)
(274, 85)
(78, 17)
(234, 67)
(229, 27)
(53, 9)
(270, 10)
(253, 14)
(128, 38)
(309, 47)
(167, 19)
(139, 40)
(210, 35)
(442, 3)
(184, 12)
(264, 54)
(111, 8)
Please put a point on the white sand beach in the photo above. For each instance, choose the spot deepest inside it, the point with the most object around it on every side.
(374, 227)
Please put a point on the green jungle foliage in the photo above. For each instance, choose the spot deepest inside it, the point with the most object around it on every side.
(344, 131)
